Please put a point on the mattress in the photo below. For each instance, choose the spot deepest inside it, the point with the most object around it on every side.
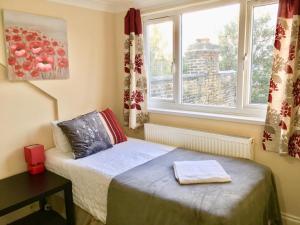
(92, 175)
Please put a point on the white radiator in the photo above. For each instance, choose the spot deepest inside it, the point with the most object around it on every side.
(200, 141)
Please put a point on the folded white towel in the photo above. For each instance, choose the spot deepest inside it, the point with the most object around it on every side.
(206, 171)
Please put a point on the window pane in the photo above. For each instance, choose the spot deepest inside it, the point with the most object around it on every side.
(160, 45)
(263, 33)
(210, 56)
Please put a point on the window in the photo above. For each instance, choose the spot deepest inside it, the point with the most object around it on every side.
(161, 60)
(213, 59)
(209, 56)
(263, 27)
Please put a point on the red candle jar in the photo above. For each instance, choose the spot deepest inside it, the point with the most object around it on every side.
(35, 158)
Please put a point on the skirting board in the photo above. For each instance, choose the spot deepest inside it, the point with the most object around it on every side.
(289, 219)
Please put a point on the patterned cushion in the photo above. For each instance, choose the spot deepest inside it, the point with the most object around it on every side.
(86, 134)
(112, 127)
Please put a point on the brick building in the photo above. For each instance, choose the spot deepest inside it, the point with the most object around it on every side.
(203, 82)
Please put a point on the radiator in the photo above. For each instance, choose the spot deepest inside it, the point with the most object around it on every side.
(200, 141)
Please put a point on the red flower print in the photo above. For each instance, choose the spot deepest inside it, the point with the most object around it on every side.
(29, 57)
(11, 60)
(46, 42)
(286, 109)
(273, 87)
(288, 69)
(294, 145)
(126, 95)
(292, 52)
(49, 51)
(16, 38)
(15, 30)
(139, 97)
(296, 92)
(280, 33)
(7, 38)
(127, 63)
(126, 99)
(277, 44)
(138, 63)
(54, 43)
(20, 74)
(63, 62)
(24, 32)
(35, 73)
(127, 59)
(30, 37)
(36, 47)
(61, 52)
(134, 105)
(18, 67)
(266, 137)
(27, 65)
(18, 49)
(282, 124)
(44, 63)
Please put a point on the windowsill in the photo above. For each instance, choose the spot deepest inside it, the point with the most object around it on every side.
(213, 116)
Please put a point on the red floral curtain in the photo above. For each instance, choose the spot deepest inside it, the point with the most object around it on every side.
(135, 83)
(282, 129)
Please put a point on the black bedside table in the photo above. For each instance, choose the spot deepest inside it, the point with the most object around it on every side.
(23, 189)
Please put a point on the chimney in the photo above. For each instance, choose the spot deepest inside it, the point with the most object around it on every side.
(203, 40)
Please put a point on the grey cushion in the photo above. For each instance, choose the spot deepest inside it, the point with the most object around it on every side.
(86, 134)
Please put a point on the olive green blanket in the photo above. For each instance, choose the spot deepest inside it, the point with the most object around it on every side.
(150, 195)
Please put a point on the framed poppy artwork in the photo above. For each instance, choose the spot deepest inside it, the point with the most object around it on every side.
(36, 46)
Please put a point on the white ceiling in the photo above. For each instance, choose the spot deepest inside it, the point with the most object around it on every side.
(117, 5)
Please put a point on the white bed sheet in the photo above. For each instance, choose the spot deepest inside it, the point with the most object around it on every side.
(92, 175)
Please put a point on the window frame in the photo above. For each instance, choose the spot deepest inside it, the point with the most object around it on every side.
(248, 62)
(243, 108)
(147, 58)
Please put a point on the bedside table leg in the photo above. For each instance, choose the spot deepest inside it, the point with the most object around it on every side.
(42, 203)
(69, 205)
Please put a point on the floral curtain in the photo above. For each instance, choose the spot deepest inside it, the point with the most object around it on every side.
(135, 90)
(282, 129)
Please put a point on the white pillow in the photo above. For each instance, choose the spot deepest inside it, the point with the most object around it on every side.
(60, 139)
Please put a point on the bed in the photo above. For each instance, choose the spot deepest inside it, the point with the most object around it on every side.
(133, 184)
(92, 175)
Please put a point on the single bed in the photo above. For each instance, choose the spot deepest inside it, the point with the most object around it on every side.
(92, 175)
(133, 184)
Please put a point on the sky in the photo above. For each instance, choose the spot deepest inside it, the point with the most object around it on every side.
(207, 23)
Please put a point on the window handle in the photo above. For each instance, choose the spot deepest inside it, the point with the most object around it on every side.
(173, 68)
(245, 59)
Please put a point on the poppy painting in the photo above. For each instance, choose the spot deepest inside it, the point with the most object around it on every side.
(36, 46)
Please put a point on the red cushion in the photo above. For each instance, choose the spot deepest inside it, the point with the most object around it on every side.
(112, 126)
